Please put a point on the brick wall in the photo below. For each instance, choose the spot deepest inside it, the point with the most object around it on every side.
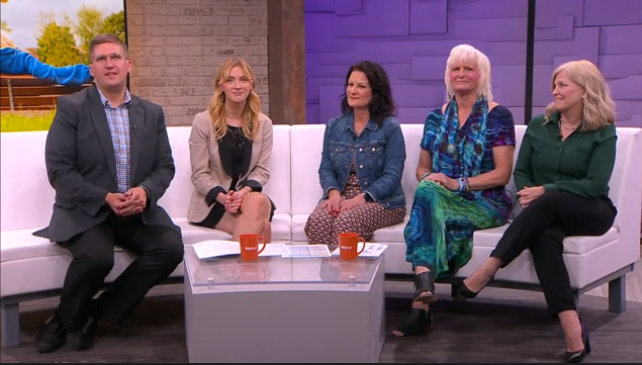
(177, 45)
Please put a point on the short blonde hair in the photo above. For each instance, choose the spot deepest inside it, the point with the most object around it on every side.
(599, 108)
(468, 53)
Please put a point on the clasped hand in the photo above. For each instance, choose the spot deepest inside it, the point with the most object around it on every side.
(335, 204)
(132, 202)
(527, 195)
(234, 200)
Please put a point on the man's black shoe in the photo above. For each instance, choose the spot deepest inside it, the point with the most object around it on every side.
(84, 338)
(51, 336)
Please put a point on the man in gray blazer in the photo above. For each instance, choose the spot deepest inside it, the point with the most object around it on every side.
(109, 159)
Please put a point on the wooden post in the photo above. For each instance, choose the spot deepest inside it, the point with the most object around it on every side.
(286, 61)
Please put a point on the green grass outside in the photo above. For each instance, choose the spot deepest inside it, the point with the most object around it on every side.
(28, 120)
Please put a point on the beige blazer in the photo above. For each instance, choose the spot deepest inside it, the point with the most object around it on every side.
(211, 164)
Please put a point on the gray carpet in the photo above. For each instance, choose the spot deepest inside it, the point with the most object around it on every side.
(500, 326)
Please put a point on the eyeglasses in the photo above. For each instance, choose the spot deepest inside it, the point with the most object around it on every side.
(113, 57)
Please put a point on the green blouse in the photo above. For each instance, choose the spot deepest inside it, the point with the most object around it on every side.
(582, 164)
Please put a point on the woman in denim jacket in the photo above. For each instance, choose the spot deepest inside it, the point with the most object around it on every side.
(362, 162)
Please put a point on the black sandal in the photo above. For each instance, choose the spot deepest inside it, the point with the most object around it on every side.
(425, 287)
(418, 322)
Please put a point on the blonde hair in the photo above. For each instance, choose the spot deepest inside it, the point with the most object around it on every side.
(216, 108)
(468, 53)
(598, 106)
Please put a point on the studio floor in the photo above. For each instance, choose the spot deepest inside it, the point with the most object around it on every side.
(501, 325)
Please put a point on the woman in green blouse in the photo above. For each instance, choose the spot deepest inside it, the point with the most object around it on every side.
(562, 173)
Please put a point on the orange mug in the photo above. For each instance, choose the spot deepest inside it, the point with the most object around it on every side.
(250, 246)
(349, 245)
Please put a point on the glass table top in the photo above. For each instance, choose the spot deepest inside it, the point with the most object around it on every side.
(230, 270)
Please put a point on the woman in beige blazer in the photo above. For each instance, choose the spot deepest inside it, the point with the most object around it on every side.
(230, 148)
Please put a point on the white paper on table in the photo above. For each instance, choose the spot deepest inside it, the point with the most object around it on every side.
(220, 248)
(296, 251)
(371, 250)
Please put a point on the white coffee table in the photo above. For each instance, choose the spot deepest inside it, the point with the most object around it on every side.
(284, 310)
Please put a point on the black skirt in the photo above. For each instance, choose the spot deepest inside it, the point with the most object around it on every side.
(217, 211)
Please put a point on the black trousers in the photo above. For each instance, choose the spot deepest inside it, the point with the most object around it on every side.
(542, 226)
(159, 251)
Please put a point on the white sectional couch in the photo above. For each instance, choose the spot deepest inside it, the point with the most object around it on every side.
(32, 267)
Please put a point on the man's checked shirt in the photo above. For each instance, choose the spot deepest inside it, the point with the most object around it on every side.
(118, 120)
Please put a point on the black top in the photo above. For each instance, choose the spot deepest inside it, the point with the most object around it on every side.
(235, 141)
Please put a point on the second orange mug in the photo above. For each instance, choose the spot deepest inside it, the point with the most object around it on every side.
(349, 245)
(250, 246)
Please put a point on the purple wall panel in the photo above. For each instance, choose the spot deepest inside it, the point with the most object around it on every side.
(412, 39)
(427, 68)
(318, 6)
(558, 28)
(609, 12)
(317, 37)
(605, 32)
(621, 39)
(438, 10)
(484, 9)
(575, 8)
(347, 6)
(371, 21)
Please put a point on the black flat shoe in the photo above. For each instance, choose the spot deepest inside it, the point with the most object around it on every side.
(578, 356)
(418, 322)
(51, 336)
(425, 288)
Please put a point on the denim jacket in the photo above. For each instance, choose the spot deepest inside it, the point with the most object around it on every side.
(380, 154)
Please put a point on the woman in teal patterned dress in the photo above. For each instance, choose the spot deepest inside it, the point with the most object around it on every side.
(466, 160)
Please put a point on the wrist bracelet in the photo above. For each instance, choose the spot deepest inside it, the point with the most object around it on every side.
(463, 184)
(424, 176)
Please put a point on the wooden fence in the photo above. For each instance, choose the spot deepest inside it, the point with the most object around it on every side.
(25, 92)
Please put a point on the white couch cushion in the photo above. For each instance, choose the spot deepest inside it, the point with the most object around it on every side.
(176, 198)
(27, 198)
(19, 277)
(31, 264)
(307, 146)
(298, 225)
(412, 135)
(626, 181)
(393, 233)
(21, 245)
(278, 187)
